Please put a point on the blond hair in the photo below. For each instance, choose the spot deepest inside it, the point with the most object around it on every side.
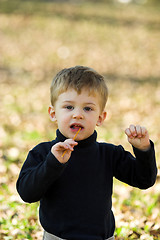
(79, 78)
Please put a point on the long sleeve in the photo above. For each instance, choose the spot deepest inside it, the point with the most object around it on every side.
(139, 171)
(75, 198)
(39, 171)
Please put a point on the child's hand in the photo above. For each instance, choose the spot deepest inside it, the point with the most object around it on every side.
(59, 148)
(138, 136)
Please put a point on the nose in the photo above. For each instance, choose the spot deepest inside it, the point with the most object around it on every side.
(78, 114)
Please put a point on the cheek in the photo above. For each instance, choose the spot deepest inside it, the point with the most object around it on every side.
(92, 121)
(63, 119)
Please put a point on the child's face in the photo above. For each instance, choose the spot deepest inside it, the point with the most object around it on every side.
(73, 110)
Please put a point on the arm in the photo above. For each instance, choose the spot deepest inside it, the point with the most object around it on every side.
(139, 171)
(41, 169)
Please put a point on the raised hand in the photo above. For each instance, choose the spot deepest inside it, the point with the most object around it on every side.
(138, 136)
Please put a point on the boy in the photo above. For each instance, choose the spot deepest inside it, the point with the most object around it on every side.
(73, 178)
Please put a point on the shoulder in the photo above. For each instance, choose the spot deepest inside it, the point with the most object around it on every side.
(43, 147)
(40, 151)
(110, 148)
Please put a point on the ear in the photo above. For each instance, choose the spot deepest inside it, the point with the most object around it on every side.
(101, 118)
(51, 112)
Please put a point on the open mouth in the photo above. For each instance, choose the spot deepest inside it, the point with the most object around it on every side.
(76, 126)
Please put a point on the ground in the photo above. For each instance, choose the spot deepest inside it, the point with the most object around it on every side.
(37, 40)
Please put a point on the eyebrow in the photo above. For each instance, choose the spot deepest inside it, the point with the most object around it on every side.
(88, 103)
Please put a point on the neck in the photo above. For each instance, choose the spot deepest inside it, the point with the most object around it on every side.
(83, 143)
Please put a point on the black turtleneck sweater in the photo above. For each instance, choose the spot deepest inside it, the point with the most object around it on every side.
(75, 198)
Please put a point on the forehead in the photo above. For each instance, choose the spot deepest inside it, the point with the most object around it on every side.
(84, 96)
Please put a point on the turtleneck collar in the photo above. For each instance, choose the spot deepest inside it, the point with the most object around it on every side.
(83, 143)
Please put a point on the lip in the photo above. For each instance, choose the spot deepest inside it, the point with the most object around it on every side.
(75, 126)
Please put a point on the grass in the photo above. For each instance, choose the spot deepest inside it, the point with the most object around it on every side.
(38, 39)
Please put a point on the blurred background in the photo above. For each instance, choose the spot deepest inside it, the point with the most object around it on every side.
(118, 38)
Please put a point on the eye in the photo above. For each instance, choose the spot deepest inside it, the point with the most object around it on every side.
(88, 109)
(69, 107)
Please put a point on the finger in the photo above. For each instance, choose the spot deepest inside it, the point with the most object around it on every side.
(133, 130)
(63, 146)
(70, 142)
(128, 132)
(144, 131)
(68, 146)
(138, 130)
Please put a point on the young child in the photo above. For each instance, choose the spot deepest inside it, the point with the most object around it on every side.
(73, 179)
